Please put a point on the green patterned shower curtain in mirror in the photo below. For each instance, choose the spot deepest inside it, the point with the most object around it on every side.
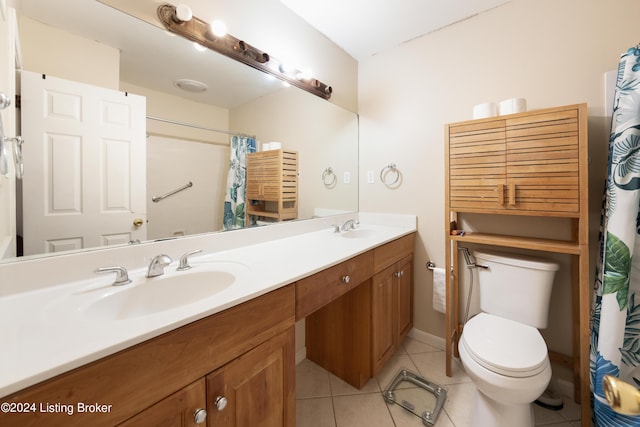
(615, 340)
(234, 200)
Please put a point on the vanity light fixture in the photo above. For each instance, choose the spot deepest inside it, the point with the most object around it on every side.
(174, 18)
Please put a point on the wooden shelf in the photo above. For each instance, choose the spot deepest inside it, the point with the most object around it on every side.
(534, 243)
(268, 214)
(272, 185)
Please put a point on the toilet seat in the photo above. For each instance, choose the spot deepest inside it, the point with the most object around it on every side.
(505, 347)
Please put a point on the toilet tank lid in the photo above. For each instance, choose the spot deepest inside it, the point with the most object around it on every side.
(518, 260)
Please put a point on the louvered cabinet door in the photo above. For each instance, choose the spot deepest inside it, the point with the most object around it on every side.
(477, 165)
(542, 154)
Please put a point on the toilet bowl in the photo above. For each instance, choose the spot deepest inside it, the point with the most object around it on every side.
(509, 364)
(501, 348)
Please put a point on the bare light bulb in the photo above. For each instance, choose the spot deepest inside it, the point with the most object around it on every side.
(183, 13)
(218, 28)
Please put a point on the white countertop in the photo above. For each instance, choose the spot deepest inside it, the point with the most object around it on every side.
(39, 341)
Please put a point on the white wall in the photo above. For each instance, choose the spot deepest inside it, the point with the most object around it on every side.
(551, 52)
(324, 135)
(172, 163)
(48, 50)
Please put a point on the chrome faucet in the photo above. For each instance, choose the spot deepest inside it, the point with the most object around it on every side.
(157, 265)
(184, 260)
(122, 278)
(349, 224)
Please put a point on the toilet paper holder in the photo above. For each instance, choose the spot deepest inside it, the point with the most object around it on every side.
(431, 265)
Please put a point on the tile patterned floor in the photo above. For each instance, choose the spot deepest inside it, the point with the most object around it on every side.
(324, 400)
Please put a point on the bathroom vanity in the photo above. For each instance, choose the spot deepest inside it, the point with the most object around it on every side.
(235, 364)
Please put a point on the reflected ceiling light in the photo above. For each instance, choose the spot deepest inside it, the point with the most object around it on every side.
(190, 85)
(198, 31)
(199, 47)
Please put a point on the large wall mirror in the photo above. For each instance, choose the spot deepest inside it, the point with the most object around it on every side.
(187, 133)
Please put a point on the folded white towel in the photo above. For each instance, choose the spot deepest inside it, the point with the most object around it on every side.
(439, 290)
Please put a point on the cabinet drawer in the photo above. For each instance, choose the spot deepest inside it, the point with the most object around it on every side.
(315, 291)
(392, 252)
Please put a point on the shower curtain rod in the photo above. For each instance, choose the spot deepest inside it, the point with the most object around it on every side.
(173, 122)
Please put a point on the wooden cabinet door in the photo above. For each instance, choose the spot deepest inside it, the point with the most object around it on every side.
(404, 294)
(543, 161)
(258, 387)
(391, 310)
(382, 317)
(477, 165)
(178, 410)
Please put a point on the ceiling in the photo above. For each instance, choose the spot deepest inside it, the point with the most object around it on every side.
(365, 27)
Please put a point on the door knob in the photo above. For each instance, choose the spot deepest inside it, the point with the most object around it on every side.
(138, 222)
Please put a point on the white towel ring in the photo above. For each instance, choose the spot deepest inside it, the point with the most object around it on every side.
(329, 178)
(390, 168)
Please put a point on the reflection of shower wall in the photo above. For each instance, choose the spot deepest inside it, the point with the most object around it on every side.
(172, 163)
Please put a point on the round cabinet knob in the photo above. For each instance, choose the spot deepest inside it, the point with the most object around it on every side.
(346, 279)
(220, 402)
(138, 222)
(200, 415)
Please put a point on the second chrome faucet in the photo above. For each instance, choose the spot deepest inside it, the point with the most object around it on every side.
(157, 265)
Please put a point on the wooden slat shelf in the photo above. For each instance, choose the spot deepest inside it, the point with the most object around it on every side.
(547, 245)
(272, 185)
(277, 215)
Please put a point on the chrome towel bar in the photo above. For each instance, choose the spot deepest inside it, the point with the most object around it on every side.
(156, 199)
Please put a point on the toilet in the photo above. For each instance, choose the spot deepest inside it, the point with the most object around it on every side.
(501, 348)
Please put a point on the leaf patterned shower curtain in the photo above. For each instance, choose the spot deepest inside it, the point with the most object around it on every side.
(234, 200)
(615, 339)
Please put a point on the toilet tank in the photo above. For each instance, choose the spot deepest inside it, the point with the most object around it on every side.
(516, 287)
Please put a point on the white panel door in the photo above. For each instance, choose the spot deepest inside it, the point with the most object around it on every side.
(84, 181)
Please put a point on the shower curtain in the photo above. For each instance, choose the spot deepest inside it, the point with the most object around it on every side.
(615, 339)
(235, 194)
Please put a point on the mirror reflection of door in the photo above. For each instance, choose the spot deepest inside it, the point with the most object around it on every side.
(84, 163)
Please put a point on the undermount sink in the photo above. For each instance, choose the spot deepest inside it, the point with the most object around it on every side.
(146, 296)
(159, 294)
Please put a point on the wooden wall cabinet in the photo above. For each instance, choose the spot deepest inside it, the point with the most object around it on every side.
(531, 164)
(355, 334)
(522, 163)
(272, 185)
